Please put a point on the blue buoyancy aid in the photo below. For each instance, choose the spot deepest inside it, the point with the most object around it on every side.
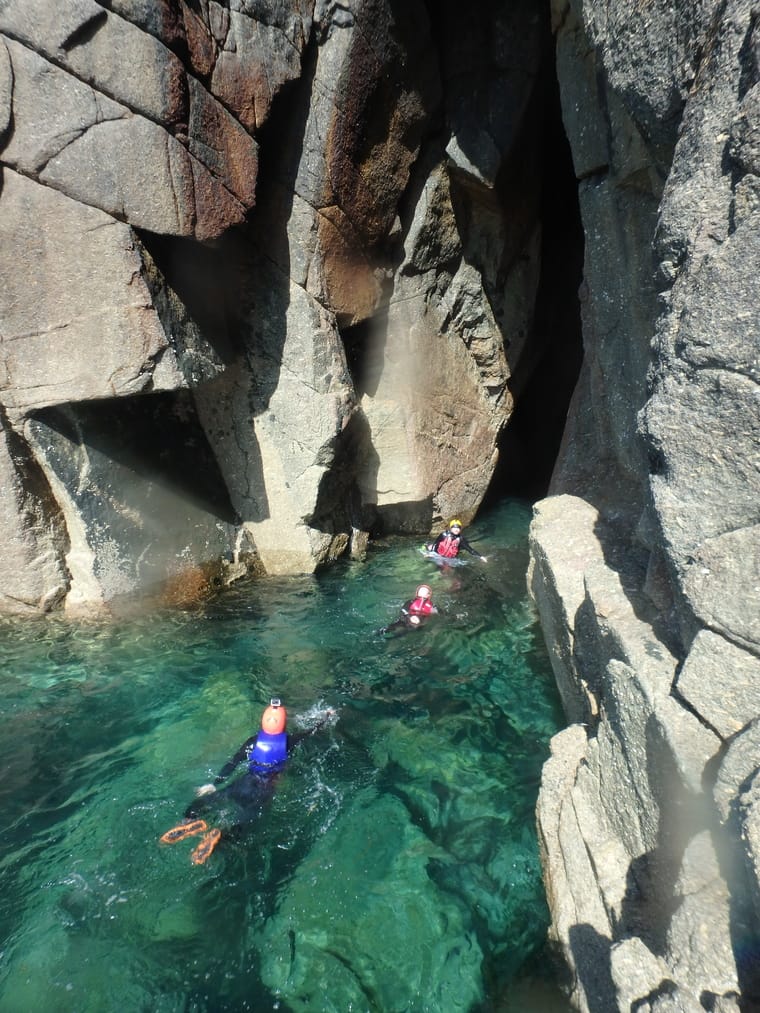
(268, 750)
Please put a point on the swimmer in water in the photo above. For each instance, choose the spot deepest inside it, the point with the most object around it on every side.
(450, 542)
(414, 612)
(265, 754)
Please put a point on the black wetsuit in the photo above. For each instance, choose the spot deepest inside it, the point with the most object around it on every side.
(241, 800)
(460, 540)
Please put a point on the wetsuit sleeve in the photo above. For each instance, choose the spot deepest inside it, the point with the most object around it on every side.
(406, 606)
(232, 763)
(464, 544)
(296, 740)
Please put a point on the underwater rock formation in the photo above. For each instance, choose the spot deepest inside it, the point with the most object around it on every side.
(265, 281)
(645, 561)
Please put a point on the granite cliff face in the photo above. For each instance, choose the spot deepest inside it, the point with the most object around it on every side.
(646, 568)
(269, 267)
(278, 274)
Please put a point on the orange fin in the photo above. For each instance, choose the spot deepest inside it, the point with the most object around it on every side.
(183, 830)
(208, 842)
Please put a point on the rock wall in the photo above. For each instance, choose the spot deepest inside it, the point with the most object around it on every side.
(645, 558)
(268, 269)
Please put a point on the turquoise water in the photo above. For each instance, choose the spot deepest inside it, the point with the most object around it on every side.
(394, 869)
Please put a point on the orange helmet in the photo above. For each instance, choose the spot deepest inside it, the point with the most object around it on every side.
(274, 718)
(423, 591)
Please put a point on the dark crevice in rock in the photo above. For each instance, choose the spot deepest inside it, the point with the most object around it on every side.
(153, 439)
(544, 382)
(338, 507)
(749, 55)
(202, 279)
(360, 350)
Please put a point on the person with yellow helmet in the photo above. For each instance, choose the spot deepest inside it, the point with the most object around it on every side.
(451, 541)
(265, 754)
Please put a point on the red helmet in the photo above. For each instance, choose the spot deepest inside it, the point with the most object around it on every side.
(274, 718)
(423, 591)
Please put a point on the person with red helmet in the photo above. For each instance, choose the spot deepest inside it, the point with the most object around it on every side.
(451, 541)
(414, 612)
(265, 754)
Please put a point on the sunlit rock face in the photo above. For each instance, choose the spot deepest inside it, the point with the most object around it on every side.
(288, 250)
(645, 561)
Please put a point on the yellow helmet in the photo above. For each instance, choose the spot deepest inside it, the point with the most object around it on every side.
(455, 523)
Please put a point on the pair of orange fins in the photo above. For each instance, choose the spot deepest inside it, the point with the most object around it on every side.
(192, 828)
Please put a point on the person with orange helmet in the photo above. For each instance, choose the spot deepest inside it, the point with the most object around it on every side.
(451, 541)
(265, 754)
(415, 611)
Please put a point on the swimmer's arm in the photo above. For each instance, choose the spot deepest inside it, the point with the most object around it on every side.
(296, 740)
(464, 544)
(228, 768)
(240, 755)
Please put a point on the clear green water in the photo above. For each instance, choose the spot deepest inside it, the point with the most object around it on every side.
(396, 867)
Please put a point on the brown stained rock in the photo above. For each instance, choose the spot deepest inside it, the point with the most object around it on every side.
(351, 287)
(215, 207)
(92, 150)
(188, 587)
(82, 40)
(220, 145)
(183, 159)
(256, 59)
(164, 19)
(201, 44)
(243, 86)
(380, 109)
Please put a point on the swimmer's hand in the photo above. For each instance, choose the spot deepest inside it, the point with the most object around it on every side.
(205, 789)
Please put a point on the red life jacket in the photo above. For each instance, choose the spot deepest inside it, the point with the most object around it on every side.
(449, 546)
(421, 605)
